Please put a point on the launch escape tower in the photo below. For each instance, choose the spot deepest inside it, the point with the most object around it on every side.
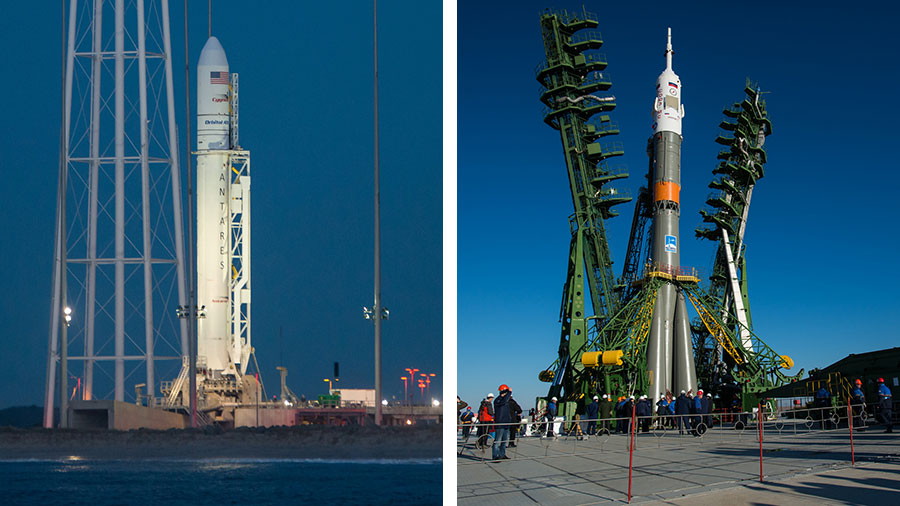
(571, 75)
(607, 352)
(118, 269)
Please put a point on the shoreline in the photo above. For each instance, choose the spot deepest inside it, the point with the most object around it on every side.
(298, 443)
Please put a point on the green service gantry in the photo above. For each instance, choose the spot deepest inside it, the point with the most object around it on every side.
(749, 363)
(574, 84)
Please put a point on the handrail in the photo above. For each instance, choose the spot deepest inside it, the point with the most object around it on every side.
(586, 36)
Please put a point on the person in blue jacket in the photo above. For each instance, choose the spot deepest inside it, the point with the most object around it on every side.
(550, 415)
(662, 410)
(593, 412)
(858, 403)
(620, 414)
(466, 419)
(683, 407)
(643, 411)
(885, 402)
(823, 401)
(671, 400)
(697, 409)
(502, 419)
(706, 401)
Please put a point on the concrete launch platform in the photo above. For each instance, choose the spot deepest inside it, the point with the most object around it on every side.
(723, 467)
(115, 415)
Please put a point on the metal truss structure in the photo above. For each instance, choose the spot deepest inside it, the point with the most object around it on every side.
(119, 270)
(239, 245)
(571, 75)
(740, 167)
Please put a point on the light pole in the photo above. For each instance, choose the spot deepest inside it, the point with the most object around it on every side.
(329, 385)
(423, 381)
(64, 369)
(412, 378)
(422, 389)
(405, 394)
(428, 382)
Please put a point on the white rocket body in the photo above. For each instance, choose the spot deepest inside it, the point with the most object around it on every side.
(213, 196)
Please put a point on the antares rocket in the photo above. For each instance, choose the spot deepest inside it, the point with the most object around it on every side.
(223, 222)
(670, 355)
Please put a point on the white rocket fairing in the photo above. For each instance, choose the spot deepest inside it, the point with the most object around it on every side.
(214, 337)
(668, 109)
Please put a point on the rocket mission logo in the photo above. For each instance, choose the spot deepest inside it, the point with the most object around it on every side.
(671, 244)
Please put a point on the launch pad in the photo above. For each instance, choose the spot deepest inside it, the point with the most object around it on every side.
(638, 337)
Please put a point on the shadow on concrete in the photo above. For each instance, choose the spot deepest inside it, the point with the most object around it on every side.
(875, 491)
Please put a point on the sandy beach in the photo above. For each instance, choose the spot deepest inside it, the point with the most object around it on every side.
(301, 442)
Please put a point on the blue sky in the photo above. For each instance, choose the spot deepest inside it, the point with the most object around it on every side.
(820, 235)
(306, 117)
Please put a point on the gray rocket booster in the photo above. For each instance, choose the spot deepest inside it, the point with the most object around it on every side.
(670, 355)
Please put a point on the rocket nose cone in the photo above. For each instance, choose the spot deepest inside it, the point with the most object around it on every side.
(213, 54)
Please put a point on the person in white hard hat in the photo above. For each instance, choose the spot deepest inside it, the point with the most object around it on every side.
(592, 414)
(682, 409)
(606, 412)
(662, 411)
(643, 412)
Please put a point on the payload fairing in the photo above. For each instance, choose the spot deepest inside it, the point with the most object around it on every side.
(670, 356)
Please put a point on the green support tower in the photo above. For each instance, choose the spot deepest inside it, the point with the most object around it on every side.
(572, 76)
(742, 365)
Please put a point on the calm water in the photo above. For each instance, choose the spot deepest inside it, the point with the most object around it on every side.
(220, 481)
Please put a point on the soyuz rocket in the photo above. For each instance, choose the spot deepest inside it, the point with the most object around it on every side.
(216, 341)
(670, 355)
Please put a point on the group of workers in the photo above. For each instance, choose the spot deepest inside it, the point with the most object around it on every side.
(610, 414)
(858, 405)
(823, 404)
(670, 412)
(501, 417)
(498, 417)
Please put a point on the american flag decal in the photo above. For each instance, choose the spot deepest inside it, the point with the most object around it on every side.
(218, 78)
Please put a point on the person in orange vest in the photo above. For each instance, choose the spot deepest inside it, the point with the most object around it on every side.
(485, 416)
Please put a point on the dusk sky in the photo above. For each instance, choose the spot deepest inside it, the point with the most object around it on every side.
(306, 116)
(820, 236)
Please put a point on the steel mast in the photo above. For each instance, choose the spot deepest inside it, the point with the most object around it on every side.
(120, 245)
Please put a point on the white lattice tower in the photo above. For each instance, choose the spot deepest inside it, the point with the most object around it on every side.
(119, 257)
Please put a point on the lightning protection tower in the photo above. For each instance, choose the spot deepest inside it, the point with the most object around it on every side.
(118, 272)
